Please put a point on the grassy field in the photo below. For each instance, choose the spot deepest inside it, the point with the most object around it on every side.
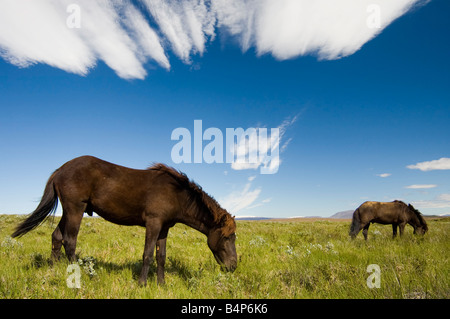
(277, 259)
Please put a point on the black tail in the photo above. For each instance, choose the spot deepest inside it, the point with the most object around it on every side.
(47, 206)
(355, 227)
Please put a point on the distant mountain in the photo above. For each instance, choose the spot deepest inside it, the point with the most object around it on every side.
(346, 214)
(251, 218)
(274, 218)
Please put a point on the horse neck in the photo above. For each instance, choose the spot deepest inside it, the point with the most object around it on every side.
(413, 219)
(198, 218)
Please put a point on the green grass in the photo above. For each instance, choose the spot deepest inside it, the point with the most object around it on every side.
(277, 259)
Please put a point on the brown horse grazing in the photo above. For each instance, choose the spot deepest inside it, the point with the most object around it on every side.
(396, 213)
(156, 198)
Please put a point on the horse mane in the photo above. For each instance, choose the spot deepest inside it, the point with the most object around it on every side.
(220, 215)
(419, 216)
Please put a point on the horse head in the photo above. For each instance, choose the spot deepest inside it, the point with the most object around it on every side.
(419, 223)
(221, 241)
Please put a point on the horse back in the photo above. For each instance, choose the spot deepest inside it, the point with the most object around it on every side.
(382, 212)
(119, 194)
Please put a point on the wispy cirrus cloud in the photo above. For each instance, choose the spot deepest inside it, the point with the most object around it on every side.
(421, 186)
(252, 144)
(255, 150)
(186, 25)
(241, 199)
(244, 198)
(127, 35)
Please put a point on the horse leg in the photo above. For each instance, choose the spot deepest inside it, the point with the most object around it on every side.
(402, 228)
(73, 214)
(161, 255)
(394, 230)
(57, 240)
(151, 235)
(366, 230)
(160, 260)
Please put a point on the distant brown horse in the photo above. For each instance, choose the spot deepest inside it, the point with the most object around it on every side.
(396, 213)
(156, 198)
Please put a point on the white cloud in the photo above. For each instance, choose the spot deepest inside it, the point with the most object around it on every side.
(185, 24)
(440, 164)
(101, 31)
(126, 35)
(37, 32)
(244, 199)
(255, 150)
(444, 197)
(288, 28)
(384, 175)
(421, 186)
(146, 38)
(240, 200)
(441, 201)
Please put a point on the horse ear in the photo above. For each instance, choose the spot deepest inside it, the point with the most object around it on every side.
(224, 219)
(227, 225)
(221, 221)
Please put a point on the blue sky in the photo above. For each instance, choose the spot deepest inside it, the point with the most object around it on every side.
(354, 118)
